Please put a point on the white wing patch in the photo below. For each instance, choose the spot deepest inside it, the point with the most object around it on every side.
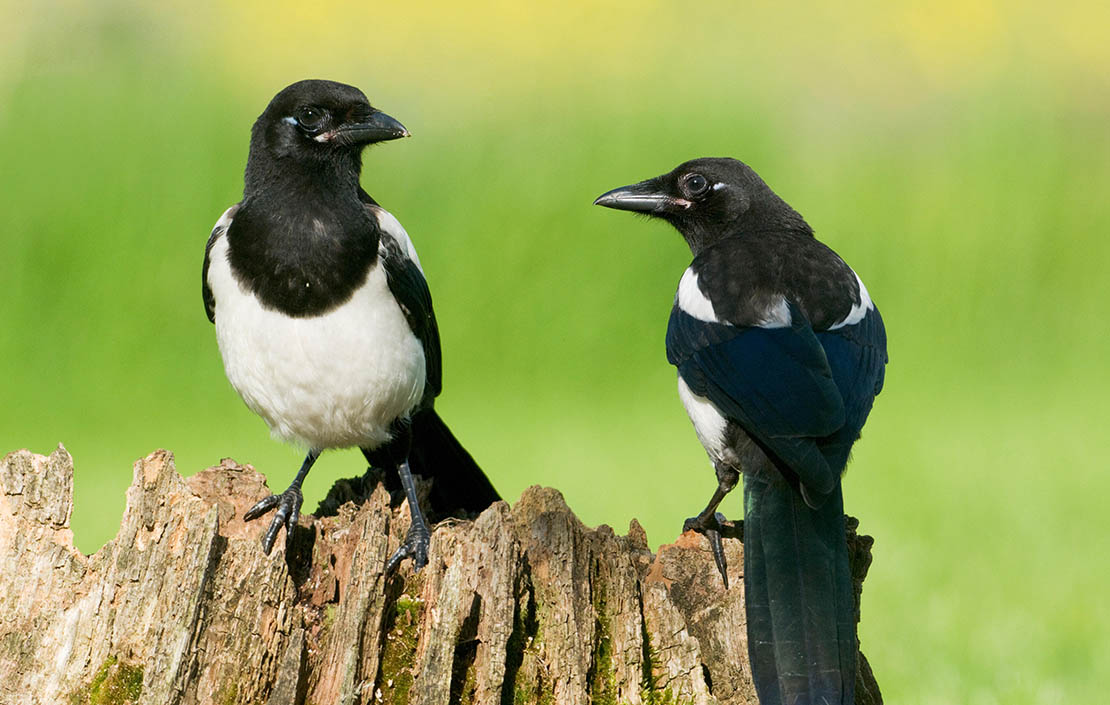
(389, 223)
(691, 300)
(218, 232)
(778, 316)
(858, 310)
(225, 220)
(708, 421)
(695, 303)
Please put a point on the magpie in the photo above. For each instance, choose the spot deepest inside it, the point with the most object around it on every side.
(780, 353)
(323, 316)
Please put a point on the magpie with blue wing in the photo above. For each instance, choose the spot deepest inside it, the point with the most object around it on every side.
(323, 315)
(780, 354)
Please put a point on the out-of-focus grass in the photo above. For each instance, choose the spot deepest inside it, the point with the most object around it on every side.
(963, 174)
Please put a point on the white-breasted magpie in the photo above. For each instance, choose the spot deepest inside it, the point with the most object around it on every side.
(780, 354)
(323, 315)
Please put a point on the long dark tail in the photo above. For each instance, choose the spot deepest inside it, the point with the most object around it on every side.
(436, 453)
(798, 593)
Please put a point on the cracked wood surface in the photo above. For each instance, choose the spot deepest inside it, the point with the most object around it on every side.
(519, 605)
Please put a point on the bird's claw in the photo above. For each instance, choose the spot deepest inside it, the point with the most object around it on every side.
(288, 505)
(415, 546)
(710, 527)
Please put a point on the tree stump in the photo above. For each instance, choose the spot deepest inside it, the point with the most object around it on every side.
(520, 605)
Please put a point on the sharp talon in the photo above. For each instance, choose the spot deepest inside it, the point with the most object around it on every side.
(710, 527)
(288, 505)
(271, 535)
(262, 507)
(415, 546)
(394, 560)
(291, 527)
(718, 550)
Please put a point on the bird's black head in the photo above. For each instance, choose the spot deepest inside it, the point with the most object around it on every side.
(707, 200)
(317, 123)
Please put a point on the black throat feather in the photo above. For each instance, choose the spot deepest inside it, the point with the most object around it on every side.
(302, 241)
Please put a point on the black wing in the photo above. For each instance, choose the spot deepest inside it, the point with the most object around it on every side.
(436, 453)
(221, 227)
(857, 357)
(804, 390)
(408, 286)
(774, 382)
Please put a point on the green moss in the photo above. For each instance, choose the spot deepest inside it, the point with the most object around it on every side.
(115, 683)
(533, 694)
(603, 680)
(464, 679)
(470, 687)
(522, 685)
(407, 605)
(329, 615)
(463, 692)
(395, 672)
(229, 694)
(665, 697)
(650, 694)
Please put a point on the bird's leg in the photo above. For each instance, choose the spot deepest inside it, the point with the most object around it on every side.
(419, 537)
(288, 505)
(709, 521)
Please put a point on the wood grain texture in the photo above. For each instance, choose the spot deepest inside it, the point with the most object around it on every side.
(520, 605)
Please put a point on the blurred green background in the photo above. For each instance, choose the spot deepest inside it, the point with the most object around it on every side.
(957, 154)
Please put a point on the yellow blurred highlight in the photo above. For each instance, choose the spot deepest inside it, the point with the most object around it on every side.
(863, 52)
(955, 152)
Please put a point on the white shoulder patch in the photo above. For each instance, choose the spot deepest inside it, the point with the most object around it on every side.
(691, 300)
(225, 220)
(778, 316)
(389, 223)
(858, 310)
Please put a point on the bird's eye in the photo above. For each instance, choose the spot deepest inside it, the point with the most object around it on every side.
(695, 184)
(310, 118)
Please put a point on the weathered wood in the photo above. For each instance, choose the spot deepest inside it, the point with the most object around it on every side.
(520, 605)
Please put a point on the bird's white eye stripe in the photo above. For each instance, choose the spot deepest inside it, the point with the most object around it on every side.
(718, 186)
(290, 120)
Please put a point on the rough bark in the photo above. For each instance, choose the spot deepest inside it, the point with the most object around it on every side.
(522, 604)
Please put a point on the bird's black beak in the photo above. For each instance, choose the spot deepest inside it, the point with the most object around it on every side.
(644, 197)
(378, 127)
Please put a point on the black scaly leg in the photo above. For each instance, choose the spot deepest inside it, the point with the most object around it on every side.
(288, 505)
(419, 537)
(709, 521)
(395, 455)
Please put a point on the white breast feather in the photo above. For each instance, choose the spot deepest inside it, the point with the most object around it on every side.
(708, 421)
(331, 381)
